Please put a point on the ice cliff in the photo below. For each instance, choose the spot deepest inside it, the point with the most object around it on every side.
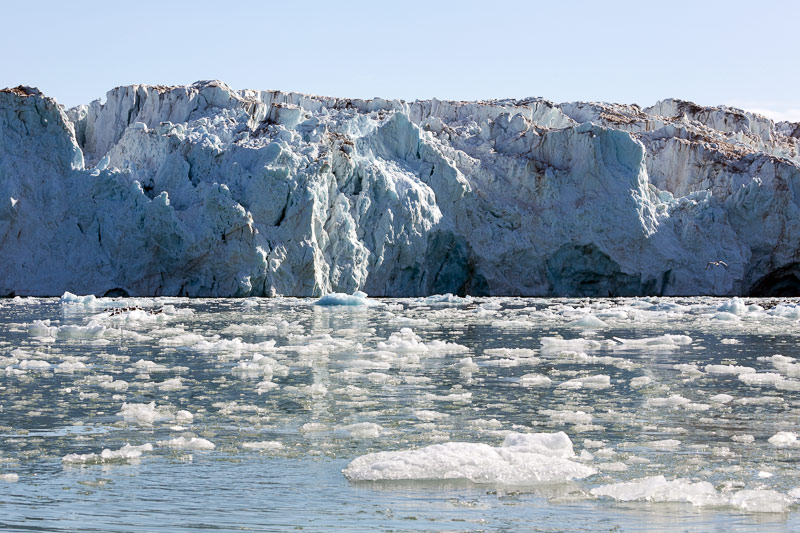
(202, 190)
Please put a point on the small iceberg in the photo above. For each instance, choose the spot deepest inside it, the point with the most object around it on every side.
(351, 300)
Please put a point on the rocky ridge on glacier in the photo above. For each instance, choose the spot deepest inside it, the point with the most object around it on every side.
(202, 190)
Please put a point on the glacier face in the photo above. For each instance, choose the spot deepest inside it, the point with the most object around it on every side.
(202, 190)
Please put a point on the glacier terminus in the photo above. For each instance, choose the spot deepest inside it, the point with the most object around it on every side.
(203, 190)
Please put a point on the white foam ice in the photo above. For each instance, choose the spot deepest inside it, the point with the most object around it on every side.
(640, 381)
(126, 453)
(9, 478)
(522, 459)
(184, 443)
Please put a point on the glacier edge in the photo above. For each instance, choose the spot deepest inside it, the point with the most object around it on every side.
(202, 190)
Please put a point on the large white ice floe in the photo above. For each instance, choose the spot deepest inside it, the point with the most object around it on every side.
(658, 489)
(203, 190)
(522, 459)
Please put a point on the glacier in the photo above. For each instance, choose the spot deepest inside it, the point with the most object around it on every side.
(203, 190)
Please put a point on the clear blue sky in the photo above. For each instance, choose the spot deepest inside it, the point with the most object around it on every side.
(712, 52)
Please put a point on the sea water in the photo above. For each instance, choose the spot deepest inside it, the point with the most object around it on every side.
(439, 413)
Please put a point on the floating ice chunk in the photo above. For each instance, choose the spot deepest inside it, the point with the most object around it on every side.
(446, 299)
(109, 383)
(588, 322)
(556, 344)
(145, 414)
(186, 339)
(313, 427)
(641, 381)
(658, 489)
(232, 347)
(69, 298)
(360, 430)
(730, 341)
(729, 369)
(784, 439)
(662, 342)
(149, 367)
(126, 453)
(192, 443)
(764, 474)
(688, 369)
(429, 416)
(42, 328)
(171, 384)
(760, 501)
(615, 466)
(358, 298)
(457, 397)
(535, 380)
(721, 398)
(588, 382)
(735, 306)
(701, 494)
(406, 341)
(518, 353)
(467, 366)
(93, 330)
(9, 478)
(34, 364)
(662, 444)
(761, 379)
(264, 446)
(521, 460)
(675, 400)
(743, 439)
(567, 417)
(70, 366)
(789, 311)
(184, 417)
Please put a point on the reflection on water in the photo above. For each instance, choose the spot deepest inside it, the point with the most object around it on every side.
(242, 414)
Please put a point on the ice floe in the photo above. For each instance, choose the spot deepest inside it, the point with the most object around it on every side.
(522, 459)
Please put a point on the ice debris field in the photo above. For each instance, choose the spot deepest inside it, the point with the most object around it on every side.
(458, 413)
(203, 190)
